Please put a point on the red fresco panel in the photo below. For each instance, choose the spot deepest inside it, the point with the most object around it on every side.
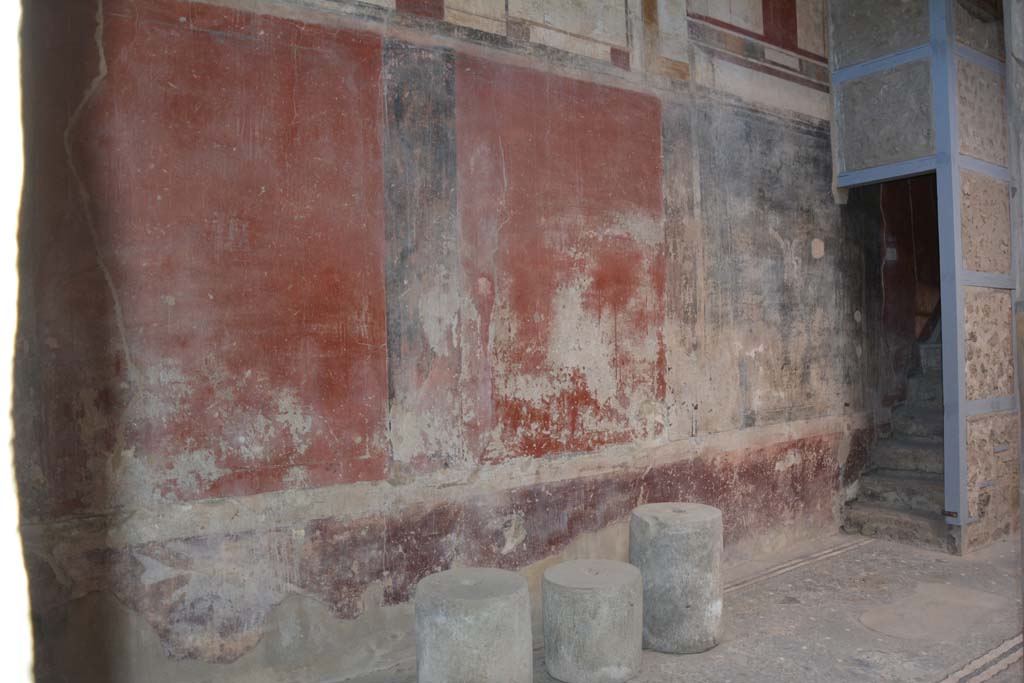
(425, 8)
(559, 185)
(780, 22)
(238, 199)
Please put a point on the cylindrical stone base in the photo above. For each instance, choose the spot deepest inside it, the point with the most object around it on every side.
(593, 617)
(473, 626)
(678, 550)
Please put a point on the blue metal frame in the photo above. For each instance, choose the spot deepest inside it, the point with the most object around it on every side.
(999, 404)
(881, 64)
(986, 167)
(980, 58)
(895, 171)
(944, 112)
(977, 278)
(943, 52)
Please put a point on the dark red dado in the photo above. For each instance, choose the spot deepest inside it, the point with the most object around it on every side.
(338, 560)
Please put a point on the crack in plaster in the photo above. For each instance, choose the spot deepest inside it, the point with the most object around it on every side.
(87, 97)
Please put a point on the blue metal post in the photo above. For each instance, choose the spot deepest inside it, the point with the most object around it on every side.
(947, 172)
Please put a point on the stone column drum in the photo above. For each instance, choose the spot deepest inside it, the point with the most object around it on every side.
(678, 549)
(473, 626)
(593, 618)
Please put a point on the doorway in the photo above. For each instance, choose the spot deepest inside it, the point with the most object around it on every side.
(900, 495)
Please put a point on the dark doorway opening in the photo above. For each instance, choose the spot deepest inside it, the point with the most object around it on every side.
(909, 286)
(901, 494)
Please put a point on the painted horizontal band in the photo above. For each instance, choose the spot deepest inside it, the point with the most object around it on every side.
(881, 64)
(877, 174)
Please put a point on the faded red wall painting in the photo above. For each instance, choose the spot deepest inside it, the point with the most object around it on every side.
(218, 330)
(560, 196)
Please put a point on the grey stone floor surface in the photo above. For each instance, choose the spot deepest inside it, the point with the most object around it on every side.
(877, 612)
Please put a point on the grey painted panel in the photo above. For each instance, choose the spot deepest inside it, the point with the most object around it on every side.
(886, 117)
(684, 293)
(782, 276)
(868, 29)
(422, 264)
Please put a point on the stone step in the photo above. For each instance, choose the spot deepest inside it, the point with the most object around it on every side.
(931, 358)
(915, 420)
(909, 454)
(922, 491)
(912, 527)
(925, 390)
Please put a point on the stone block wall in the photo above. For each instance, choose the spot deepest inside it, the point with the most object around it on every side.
(321, 297)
